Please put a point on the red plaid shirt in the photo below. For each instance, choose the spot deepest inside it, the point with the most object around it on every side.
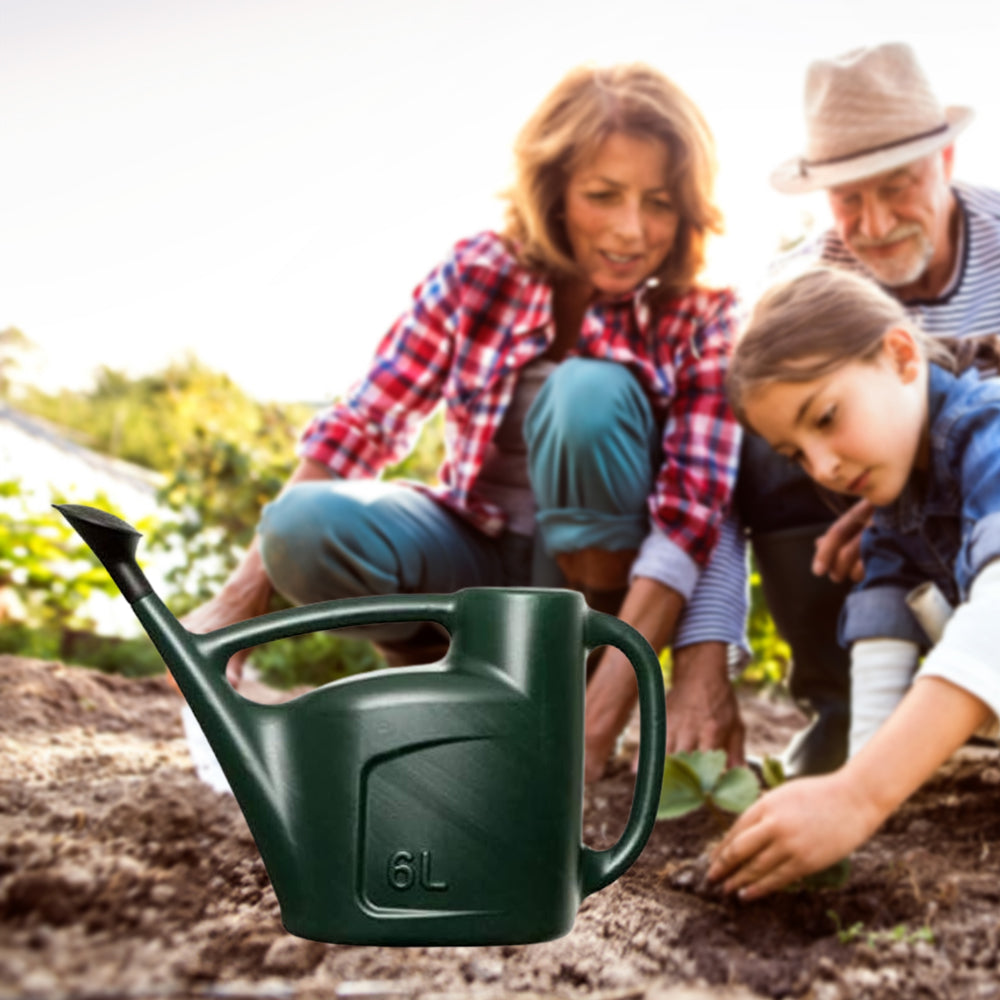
(481, 316)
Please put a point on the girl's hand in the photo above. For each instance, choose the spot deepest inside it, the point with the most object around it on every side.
(793, 831)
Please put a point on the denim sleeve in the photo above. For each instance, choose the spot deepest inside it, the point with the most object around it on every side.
(879, 613)
(976, 438)
(981, 547)
(877, 607)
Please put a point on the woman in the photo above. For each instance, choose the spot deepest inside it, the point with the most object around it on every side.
(588, 439)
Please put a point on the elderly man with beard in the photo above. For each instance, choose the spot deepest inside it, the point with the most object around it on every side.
(881, 146)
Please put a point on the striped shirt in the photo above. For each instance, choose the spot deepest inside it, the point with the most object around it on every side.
(970, 305)
(481, 317)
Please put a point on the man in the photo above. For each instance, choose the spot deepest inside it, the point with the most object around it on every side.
(881, 146)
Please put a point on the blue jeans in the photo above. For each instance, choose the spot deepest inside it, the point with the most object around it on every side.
(591, 467)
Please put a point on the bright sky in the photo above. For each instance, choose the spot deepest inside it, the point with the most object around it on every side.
(264, 181)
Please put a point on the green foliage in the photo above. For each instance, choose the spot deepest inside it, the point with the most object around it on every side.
(898, 934)
(151, 420)
(13, 345)
(771, 654)
(773, 772)
(45, 570)
(313, 659)
(424, 461)
(47, 575)
(215, 495)
(225, 455)
(696, 778)
(136, 657)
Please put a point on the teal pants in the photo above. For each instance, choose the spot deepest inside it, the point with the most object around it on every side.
(593, 453)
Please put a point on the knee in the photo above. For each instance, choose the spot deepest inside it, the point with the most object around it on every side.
(584, 400)
(300, 539)
(292, 523)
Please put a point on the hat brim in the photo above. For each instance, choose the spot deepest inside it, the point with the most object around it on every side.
(796, 177)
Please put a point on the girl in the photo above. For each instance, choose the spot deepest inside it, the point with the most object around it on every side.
(833, 374)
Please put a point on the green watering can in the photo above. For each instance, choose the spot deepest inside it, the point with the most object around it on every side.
(432, 805)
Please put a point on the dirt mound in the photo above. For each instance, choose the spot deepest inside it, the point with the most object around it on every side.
(122, 876)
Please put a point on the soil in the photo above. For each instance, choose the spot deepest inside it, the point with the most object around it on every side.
(121, 875)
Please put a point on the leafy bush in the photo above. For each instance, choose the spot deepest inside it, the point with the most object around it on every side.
(47, 575)
(45, 572)
(313, 659)
(771, 654)
(224, 456)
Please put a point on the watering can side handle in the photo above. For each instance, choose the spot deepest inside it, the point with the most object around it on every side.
(600, 868)
(348, 611)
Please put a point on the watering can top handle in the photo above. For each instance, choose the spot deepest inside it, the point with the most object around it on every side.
(324, 615)
(600, 868)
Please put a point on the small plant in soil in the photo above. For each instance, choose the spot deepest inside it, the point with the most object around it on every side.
(699, 779)
(696, 779)
(898, 934)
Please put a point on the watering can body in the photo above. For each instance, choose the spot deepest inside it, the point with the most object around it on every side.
(439, 804)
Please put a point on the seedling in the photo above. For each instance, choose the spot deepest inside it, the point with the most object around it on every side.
(697, 778)
(899, 933)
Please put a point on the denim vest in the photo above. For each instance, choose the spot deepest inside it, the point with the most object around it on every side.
(945, 526)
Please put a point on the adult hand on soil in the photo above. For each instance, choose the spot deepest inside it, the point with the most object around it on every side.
(838, 549)
(797, 829)
(702, 711)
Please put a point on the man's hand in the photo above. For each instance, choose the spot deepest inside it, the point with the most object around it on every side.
(702, 711)
(838, 550)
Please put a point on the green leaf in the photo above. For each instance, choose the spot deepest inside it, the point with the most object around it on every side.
(682, 792)
(833, 877)
(707, 766)
(773, 772)
(736, 790)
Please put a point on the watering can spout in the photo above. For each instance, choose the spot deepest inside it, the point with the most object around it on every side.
(114, 542)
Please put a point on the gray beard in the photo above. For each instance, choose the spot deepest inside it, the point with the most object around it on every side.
(896, 276)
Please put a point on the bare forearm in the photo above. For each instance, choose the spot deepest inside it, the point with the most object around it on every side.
(807, 824)
(932, 721)
(652, 609)
(702, 710)
(247, 590)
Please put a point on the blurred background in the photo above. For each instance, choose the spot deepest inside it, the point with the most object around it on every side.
(263, 182)
(211, 210)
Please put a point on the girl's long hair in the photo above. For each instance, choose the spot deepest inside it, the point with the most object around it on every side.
(810, 325)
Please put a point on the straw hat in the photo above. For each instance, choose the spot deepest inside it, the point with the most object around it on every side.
(866, 112)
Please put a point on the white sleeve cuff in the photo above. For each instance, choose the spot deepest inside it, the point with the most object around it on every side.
(966, 656)
(881, 673)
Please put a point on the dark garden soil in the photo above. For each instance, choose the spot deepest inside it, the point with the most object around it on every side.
(123, 876)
